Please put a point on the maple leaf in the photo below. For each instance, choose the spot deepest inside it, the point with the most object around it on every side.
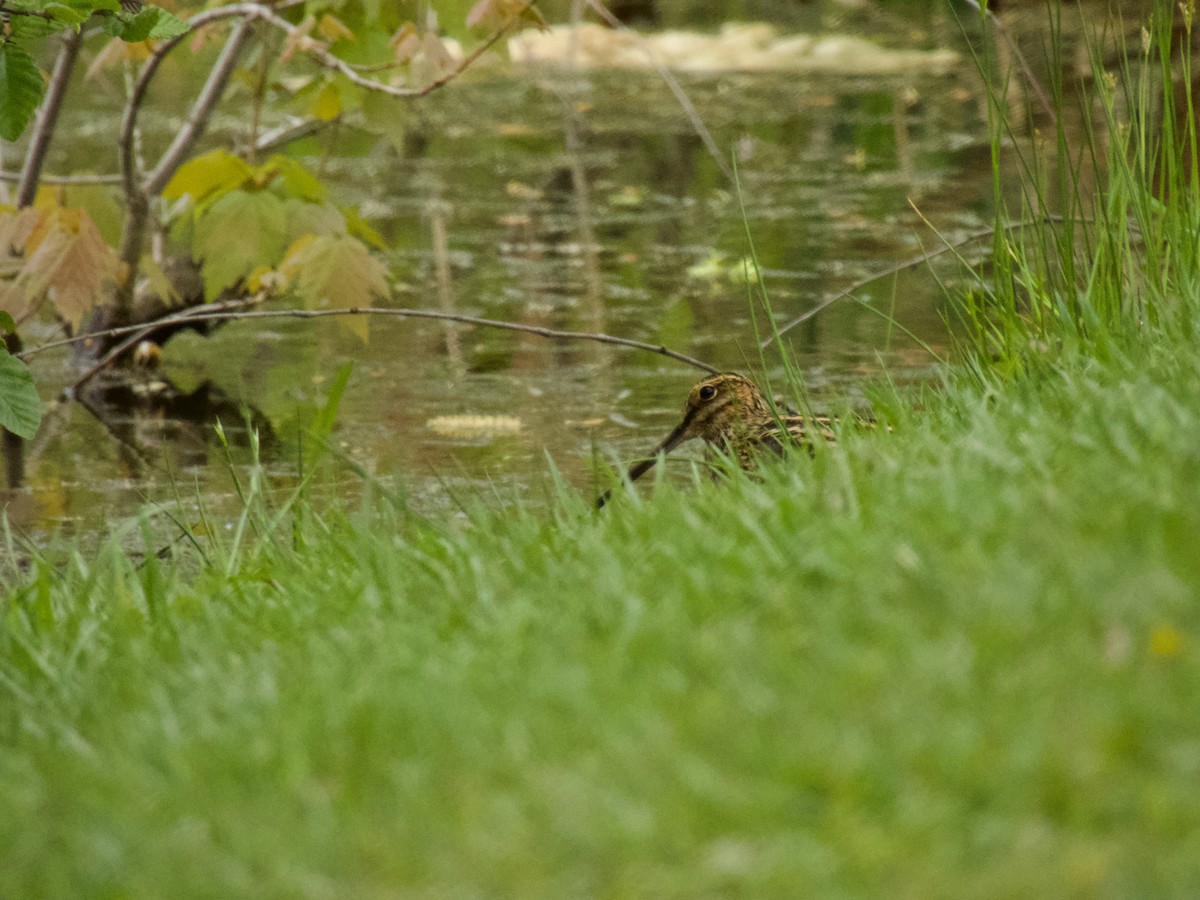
(201, 177)
(337, 272)
(72, 262)
(13, 300)
(240, 232)
(15, 229)
(57, 253)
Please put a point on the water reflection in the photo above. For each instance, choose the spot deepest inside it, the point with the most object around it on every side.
(583, 201)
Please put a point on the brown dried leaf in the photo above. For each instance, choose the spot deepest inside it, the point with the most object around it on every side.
(405, 42)
(15, 228)
(334, 29)
(71, 262)
(480, 12)
(13, 300)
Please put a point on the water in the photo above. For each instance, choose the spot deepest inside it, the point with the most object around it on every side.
(580, 201)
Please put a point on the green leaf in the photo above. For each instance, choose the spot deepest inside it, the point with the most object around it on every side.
(357, 226)
(167, 26)
(21, 408)
(208, 175)
(338, 272)
(22, 29)
(7, 325)
(67, 14)
(21, 89)
(239, 233)
(311, 219)
(297, 180)
(150, 22)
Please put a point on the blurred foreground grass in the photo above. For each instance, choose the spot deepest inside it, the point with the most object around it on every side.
(957, 660)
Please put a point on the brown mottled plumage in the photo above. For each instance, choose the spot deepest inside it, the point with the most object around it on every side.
(731, 414)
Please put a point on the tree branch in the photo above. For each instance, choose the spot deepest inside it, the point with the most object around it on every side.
(43, 131)
(137, 195)
(202, 109)
(14, 177)
(230, 312)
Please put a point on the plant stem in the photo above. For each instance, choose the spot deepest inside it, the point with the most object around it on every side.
(43, 131)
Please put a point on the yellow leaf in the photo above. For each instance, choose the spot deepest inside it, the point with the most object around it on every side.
(334, 29)
(210, 173)
(327, 105)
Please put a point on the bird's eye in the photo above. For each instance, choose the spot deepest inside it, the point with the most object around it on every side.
(708, 392)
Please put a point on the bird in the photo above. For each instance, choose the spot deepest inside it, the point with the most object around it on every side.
(730, 414)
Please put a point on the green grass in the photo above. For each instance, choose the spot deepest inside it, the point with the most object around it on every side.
(958, 660)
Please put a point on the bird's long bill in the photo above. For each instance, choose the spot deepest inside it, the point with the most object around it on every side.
(669, 443)
(638, 469)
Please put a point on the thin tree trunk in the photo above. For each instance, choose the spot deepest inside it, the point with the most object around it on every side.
(43, 131)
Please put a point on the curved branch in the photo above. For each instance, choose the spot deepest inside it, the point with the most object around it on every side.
(137, 193)
(202, 109)
(229, 312)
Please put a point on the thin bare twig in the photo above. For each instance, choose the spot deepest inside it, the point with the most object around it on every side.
(197, 120)
(285, 134)
(13, 177)
(229, 312)
(912, 262)
(474, 54)
(907, 264)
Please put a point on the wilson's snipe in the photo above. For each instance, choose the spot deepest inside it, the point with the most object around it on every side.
(733, 416)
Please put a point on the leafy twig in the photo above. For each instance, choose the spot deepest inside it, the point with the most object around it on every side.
(137, 194)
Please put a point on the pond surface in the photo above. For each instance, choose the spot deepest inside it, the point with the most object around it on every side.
(578, 200)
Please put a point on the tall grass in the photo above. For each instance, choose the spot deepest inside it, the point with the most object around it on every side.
(1111, 201)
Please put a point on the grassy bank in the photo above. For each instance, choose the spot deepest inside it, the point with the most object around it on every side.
(957, 660)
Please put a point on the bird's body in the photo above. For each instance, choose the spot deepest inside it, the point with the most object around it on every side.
(730, 414)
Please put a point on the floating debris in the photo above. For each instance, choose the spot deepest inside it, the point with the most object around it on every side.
(738, 47)
(473, 426)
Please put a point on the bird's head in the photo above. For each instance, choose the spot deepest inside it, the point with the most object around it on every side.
(716, 407)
